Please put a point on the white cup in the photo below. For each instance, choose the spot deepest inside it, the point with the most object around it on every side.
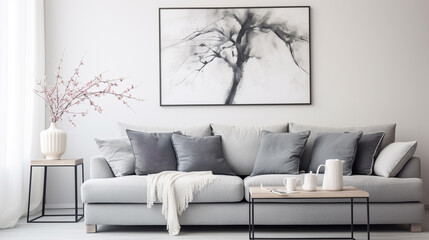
(291, 184)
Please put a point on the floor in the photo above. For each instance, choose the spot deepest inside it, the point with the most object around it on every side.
(48, 231)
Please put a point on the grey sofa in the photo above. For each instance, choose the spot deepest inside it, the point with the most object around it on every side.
(111, 200)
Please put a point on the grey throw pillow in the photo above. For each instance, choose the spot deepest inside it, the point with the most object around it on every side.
(388, 129)
(393, 158)
(341, 146)
(369, 147)
(118, 154)
(280, 153)
(200, 154)
(154, 152)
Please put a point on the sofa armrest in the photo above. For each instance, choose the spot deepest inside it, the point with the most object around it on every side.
(411, 169)
(99, 168)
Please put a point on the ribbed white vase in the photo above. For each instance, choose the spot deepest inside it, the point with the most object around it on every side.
(53, 142)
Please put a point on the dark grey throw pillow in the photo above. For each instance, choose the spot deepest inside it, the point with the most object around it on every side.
(154, 152)
(118, 154)
(341, 146)
(280, 153)
(369, 147)
(200, 154)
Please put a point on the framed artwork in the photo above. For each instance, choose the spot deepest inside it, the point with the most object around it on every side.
(234, 56)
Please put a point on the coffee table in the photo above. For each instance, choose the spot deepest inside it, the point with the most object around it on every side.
(257, 194)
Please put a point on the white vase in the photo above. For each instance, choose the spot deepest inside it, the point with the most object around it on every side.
(53, 142)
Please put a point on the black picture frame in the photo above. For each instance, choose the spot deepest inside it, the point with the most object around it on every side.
(309, 89)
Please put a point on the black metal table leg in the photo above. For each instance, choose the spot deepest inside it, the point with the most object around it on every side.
(253, 218)
(45, 175)
(75, 193)
(351, 220)
(367, 215)
(250, 226)
(29, 195)
(83, 180)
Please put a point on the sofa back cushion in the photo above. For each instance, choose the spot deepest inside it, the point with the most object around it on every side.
(197, 131)
(241, 144)
(388, 129)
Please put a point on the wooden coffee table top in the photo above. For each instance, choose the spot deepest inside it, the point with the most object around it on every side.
(347, 192)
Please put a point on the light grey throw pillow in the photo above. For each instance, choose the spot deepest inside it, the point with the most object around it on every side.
(341, 146)
(280, 153)
(369, 147)
(200, 154)
(154, 152)
(393, 158)
(118, 154)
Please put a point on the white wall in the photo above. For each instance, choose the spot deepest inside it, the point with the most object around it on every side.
(370, 65)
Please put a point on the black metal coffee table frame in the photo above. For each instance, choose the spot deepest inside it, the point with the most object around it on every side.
(252, 216)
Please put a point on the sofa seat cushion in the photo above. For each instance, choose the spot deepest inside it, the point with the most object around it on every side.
(133, 189)
(380, 189)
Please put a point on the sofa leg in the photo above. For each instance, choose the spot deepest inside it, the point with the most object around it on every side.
(92, 228)
(415, 228)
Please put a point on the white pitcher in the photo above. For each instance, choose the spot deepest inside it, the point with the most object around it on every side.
(333, 176)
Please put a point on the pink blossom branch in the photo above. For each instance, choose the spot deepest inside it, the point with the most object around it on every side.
(64, 95)
(72, 80)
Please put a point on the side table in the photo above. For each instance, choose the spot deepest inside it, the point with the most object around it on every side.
(56, 163)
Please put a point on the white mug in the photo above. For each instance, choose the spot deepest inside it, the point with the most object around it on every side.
(291, 184)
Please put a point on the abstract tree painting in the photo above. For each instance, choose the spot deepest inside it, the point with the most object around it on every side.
(234, 56)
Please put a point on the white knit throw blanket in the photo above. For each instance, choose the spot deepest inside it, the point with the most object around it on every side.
(175, 190)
